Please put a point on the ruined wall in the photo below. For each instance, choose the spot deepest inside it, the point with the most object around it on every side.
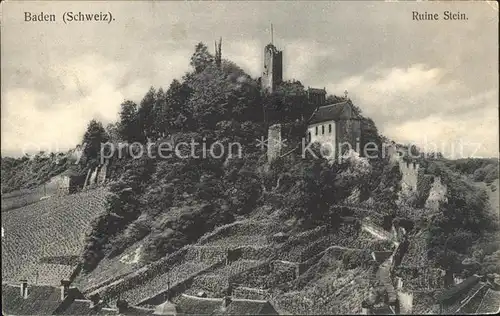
(410, 174)
(61, 184)
(96, 176)
(405, 302)
(93, 177)
(274, 142)
(101, 176)
(437, 194)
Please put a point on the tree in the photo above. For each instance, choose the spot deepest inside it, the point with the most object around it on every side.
(160, 112)
(128, 126)
(174, 112)
(146, 115)
(113, 133)
(201, 58)
(94, 137)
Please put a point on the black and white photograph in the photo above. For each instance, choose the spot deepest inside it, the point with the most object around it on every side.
(250, 157)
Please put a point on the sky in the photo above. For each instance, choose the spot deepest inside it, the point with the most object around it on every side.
(431, 83)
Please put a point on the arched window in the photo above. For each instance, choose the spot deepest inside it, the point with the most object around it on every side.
(316, 130)
(330, 128)
(308, 137)
(322, 129)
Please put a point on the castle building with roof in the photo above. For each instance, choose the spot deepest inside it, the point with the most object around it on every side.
(335, 127)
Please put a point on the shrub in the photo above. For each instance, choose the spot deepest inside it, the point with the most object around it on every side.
(352, 259)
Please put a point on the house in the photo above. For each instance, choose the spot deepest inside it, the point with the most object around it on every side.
(65, 183)
(24, 299)
(336, 127)
(316, 97)
(28, 299)
(52, 273)
(193, 305)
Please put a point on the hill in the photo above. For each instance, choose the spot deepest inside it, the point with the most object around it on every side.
(306, 233)
(276, 230)
(29, 172)
(55, 227)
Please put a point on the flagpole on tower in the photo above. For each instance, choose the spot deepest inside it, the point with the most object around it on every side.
(272, 34)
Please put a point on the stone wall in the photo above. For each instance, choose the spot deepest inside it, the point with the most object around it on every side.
(205, 253)
(176, 289)
(251, 293)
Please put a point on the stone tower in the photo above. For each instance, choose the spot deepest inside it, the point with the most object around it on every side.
(218, 53)
(274, 142)
(273, 68)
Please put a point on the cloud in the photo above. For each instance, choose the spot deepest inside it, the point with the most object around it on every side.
(91, 87)
(246, 54)
(71, 73)
(455, 137)
(302, 58)
(419, 104)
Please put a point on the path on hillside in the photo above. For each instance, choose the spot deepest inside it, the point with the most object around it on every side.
(384, 273)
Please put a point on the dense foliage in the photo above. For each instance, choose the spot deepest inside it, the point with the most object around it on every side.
(31, 171)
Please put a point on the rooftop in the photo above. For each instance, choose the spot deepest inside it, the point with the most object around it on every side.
(46, 300)
(250, 307)
(41, 299)
(187, 304)
(333, 112)
(50, 273)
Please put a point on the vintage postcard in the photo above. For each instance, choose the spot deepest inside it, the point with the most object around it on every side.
(250, 157)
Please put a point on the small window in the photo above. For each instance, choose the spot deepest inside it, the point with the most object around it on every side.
(330, 128)
(322, 129)
(316, 130)
(309, 137)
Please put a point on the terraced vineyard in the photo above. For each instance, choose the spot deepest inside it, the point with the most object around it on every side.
(52, 227)
(177, 274)
(215, 283)
(337, 292)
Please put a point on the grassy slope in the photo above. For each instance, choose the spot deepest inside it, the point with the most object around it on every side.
(52, 227)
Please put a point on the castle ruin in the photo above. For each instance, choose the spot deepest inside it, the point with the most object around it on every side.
(410, 174)
(274, 142)
(96, 176)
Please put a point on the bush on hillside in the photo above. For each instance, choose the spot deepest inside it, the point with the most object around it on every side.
(352, 259)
